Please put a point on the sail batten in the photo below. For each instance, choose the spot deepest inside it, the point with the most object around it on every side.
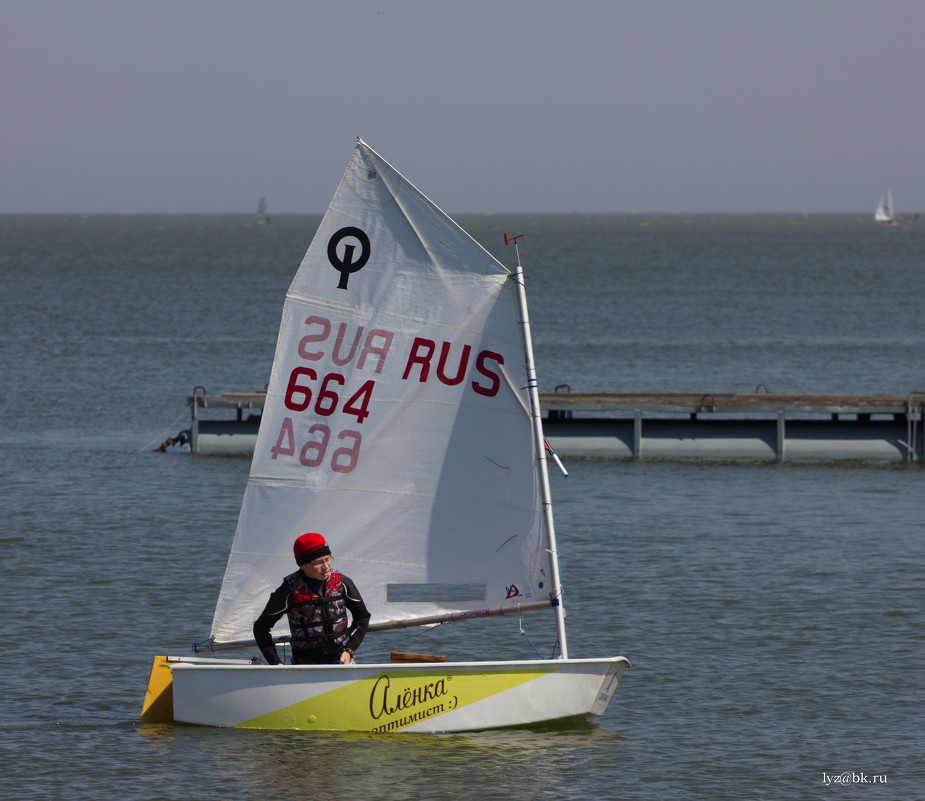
(398, 421)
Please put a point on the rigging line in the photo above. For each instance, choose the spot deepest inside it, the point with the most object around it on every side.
(167, 428)
(524, 635)
(520, 625)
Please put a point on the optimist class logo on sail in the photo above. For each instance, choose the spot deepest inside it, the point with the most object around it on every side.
(338, 365)
(345, 264)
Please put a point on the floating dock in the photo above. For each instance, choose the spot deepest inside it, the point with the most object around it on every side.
(760, 426)
(669, 426)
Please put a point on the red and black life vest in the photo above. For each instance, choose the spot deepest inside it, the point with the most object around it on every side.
(317, 621)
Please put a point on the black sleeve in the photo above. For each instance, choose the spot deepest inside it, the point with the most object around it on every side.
(276, 607)
(358, 612)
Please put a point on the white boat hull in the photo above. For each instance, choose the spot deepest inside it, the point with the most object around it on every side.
(441, 697)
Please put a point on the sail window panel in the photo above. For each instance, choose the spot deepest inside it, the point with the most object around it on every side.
(434, 592)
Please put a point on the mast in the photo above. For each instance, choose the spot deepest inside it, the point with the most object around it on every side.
(555, 593)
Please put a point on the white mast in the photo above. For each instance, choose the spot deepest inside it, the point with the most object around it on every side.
(540, 443)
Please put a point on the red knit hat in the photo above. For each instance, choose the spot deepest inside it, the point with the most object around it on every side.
(309, 547)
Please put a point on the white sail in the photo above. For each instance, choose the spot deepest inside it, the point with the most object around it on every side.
(396, 422)
(884, 211)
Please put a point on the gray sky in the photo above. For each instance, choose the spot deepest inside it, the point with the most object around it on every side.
(486, 105)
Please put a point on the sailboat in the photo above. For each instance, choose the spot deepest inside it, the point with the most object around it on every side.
(884, 212)
(262, 217)
(403, 421)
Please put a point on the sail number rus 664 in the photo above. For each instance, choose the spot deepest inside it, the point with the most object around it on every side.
(323, 394)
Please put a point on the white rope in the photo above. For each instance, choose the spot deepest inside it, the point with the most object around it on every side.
(168, 428)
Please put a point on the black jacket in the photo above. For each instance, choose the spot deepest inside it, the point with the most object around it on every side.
(281, 601)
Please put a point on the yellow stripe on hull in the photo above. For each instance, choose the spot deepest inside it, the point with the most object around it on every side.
(392, 701)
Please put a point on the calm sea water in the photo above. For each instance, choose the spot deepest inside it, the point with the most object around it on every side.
(773, 613)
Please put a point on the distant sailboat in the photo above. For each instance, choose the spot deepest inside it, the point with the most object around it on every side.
(884, 211)
(262, 217)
